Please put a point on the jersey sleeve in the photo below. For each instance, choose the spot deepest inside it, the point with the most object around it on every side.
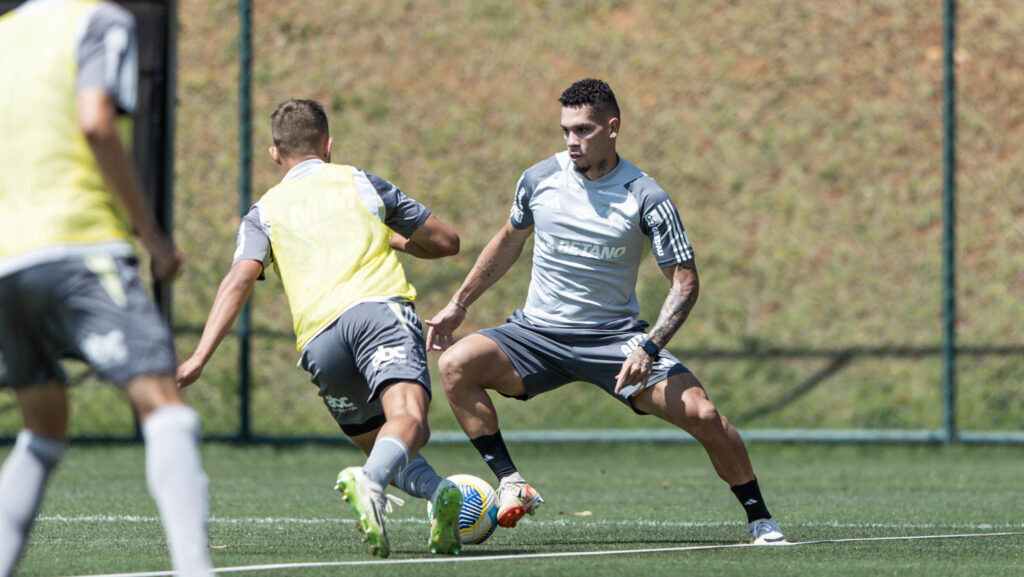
(521, 215)
(107, 54)
(660, 221)
(253, 240)
(401, 213)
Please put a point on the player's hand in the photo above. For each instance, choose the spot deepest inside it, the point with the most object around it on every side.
(441, 333)
(189, 371)
(165, 258)
(635, 369)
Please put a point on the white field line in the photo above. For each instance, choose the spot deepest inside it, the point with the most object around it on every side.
(566, 554)
(569, 520)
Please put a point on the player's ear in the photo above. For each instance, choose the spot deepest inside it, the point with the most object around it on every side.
(330, 145)
(613, 126)
(275, 154)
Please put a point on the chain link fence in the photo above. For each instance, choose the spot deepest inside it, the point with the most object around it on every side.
(802, 143)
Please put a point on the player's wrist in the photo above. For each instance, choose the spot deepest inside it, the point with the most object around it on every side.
(652, 350)
(459, 305)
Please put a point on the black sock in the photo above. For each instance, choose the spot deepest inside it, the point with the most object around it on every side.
(749, 495)
(492, 448)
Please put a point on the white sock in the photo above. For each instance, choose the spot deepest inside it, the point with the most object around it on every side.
(174, 473)
(387, 459)
(22, 484)
(513, 478)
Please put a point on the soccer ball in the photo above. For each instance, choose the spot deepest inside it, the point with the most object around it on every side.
(479, 514)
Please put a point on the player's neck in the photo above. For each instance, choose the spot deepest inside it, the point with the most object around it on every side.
(291, 162)
(602, 167)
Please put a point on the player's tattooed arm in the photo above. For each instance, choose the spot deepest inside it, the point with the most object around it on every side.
(494, 261)
(679, 302)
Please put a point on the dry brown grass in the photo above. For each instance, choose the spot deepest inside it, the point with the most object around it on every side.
(802, 142)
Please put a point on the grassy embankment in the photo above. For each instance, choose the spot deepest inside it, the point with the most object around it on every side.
(802, 145)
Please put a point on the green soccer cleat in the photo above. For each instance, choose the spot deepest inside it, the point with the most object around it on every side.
(444, 519)
(370, 505)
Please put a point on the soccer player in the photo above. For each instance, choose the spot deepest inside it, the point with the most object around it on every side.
(331, 232)
(69, 286)
(591, 210)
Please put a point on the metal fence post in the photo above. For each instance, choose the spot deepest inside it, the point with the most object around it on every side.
(949, 226)
(244, 187)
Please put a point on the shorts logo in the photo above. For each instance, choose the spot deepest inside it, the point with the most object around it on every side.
(387, 355)
(340, 404)
(632, 344)
(105, 350)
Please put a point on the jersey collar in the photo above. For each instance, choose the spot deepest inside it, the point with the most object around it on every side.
(304, 169)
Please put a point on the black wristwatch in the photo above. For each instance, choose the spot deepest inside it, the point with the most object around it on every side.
(651, 349)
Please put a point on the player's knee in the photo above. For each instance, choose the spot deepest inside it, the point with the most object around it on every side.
(708, 415)
(418, 423)
(419, 432)
(702, 417)
(149, 393)
(451, 366)
(412, 427)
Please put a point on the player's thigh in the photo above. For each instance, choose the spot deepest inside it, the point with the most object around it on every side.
(29, 354)
(365, 441)
(44, 409)
(679, 399)
(476, 359)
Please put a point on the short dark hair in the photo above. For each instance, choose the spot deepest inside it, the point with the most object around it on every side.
(591, 92)
(299, 127)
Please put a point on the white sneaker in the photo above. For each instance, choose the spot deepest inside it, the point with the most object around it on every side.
(370, 504)
(515, 500)
(766, 532)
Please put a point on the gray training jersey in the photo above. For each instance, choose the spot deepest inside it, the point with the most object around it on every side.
(590, 240)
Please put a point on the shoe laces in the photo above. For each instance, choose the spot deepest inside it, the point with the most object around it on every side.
(762, 526)
(516, 487)
(384, 502)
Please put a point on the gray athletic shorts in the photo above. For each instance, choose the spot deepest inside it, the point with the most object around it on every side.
(91, 308)
(370, 346)
(547, 358)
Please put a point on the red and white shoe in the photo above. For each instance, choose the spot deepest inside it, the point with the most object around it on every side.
(515, 500)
